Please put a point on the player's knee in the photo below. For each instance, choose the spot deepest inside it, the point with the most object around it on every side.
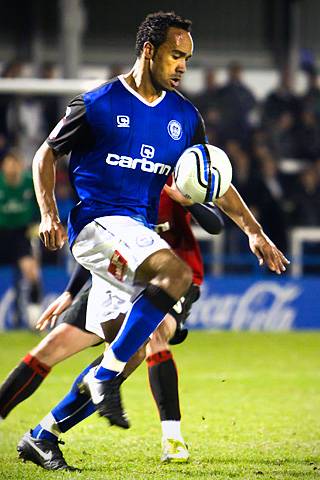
(182, 278)
(51, 349)
(164, 331)
(187, 276)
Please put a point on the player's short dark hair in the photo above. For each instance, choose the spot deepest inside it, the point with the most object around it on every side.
(155, 26)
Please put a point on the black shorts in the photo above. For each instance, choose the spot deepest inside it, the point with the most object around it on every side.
(14, 245)
(77, 312)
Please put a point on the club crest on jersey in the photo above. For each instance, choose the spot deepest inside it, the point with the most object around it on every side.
(147, 151)
(175, 129)
(123, 121)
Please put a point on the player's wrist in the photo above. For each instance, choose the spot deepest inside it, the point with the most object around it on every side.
(50, 215)
(254, 229)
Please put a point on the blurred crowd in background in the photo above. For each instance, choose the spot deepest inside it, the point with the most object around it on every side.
(274, 146)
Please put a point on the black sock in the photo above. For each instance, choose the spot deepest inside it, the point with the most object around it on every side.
(22, 382)
(163, 378)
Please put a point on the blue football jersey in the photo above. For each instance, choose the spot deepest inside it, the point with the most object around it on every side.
(122, 150)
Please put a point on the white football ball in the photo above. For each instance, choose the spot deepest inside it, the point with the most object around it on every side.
(203, 173)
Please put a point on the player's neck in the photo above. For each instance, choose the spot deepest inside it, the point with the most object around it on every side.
(139, 80)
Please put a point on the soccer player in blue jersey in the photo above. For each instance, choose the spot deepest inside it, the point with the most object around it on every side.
(125, 138)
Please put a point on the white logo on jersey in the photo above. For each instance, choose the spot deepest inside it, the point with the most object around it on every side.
(123, 121)
(175, 129)
(147, 151)
(124, 161)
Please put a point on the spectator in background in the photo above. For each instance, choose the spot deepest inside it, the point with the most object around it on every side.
(25, 119)
(309, 136)
(208, 98)
(310, 101)
(207, 104)
(284, 136)
(306, 199)
(11, 70)
(242, 170)
(244, 180)
(306, 212)
(281, 101)
(49, 103)
(18, 210)
(271, 196)
(235, 103)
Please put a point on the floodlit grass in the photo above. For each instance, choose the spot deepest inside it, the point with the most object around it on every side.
(250, 403)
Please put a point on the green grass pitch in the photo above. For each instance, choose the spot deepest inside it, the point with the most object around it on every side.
(250, 405)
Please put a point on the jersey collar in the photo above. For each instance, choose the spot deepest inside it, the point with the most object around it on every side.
(139, 97)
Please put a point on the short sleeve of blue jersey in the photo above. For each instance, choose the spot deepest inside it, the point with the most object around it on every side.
(73, 130)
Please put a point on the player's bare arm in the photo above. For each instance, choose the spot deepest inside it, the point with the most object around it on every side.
(260, 244)
(51, 231)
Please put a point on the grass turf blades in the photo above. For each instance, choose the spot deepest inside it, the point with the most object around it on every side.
(250, 405)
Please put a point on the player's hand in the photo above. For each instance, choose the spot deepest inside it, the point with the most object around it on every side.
(267, 253)
(51, 314)
(174, 193)
(52, 233)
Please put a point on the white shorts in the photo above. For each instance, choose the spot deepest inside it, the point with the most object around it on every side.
(105, 303)
(112, 248)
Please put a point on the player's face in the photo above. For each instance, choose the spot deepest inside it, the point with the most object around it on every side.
(170, 60)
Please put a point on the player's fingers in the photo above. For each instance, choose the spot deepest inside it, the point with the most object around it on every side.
(60, 237)
(259, 256)
(44, 236)
(270, 260)
(281, 261)
(53, 320)
(52, 240)
(48, 312)
(61, 307)
(284, 259)
(275, 260)
(42, 325)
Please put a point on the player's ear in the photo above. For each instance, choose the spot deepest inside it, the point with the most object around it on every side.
(148, 50)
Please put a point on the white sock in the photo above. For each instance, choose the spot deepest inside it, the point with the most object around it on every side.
(110, 362)
(171, 429)
(49, 423)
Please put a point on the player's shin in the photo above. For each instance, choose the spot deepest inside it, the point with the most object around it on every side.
(145, 315)
(75, 407)
(22, 382)
(163, 378)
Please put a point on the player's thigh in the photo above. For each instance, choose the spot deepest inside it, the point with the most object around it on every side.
(113, 247)
(63, 342)
(165, 269)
